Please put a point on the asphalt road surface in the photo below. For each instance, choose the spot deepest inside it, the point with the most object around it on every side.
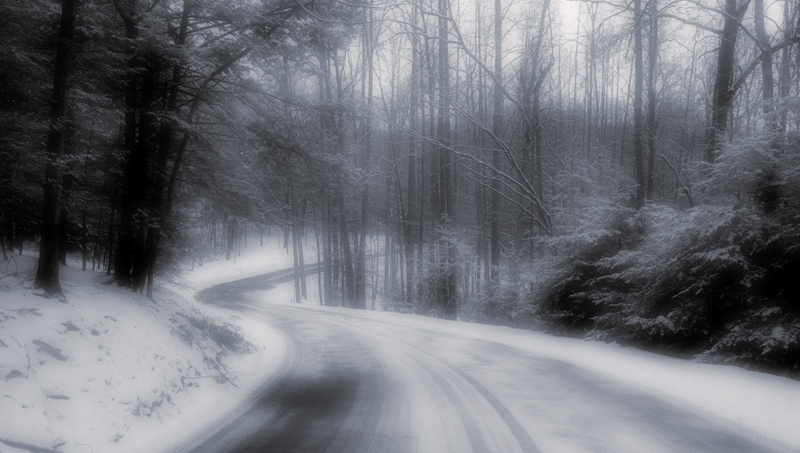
(358, 383)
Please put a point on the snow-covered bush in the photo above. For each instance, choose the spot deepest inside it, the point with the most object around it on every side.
(717, 281)
(571, 294)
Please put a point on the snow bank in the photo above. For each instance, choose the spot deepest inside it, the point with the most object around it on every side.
(113, 371)
(250, 261)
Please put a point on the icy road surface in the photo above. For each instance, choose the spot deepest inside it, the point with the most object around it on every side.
(356, 381)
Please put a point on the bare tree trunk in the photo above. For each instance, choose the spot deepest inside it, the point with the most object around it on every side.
(350, 287)
(328, 255)
(497, 126)
(229, 245)
(536, 124)
(67, 180)
(319, 258)
(301, 260)
(784, 77)
(361, 277)
(767, 78)
(110, 246)
(638, 127)
(296, 269)
(410, 212)
(625, 121)
(47, 276)
(130, 191)
(591, 57)
(297, 241)
(651, 99)
(449, 297)
(97, 245)
(723, 93)
(141, 181)
(84, 240)
(161, 204)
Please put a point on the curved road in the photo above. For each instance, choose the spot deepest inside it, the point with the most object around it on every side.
(353, 382)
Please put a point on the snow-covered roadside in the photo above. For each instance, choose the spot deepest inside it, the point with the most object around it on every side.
(113, 383)
(112, 371)
(760, 403)
(765, 405)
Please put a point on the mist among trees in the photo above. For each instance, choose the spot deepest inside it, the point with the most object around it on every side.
(620, 171)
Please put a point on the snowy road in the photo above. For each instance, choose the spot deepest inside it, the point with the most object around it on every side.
(376, 382)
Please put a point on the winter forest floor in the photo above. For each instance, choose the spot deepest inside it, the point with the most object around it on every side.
(112, 371)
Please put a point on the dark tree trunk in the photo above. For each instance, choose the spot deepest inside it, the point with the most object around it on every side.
(97, 246)
(161, 207)
(361, 271)
(329, 127)
(141, 185)
(448, 287)
(767, 78)
(319, 257)
(535, 121)
(110, 262)
(409, 227)
(10, 233)
(335, 253)
(47, 271)
(67, 180)
(301, 257)
(638, 126)
(123, 261)
(409, 230)
(723, 93)
(784, 76)
(591, 57)
(230, 238)
(298, 232)
(497, 127)
(297, 242)
(84, 240)
(651, 99)
(328, 255)
(350, 287)
(361, 257)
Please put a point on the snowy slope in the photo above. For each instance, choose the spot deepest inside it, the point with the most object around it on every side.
(111, 370)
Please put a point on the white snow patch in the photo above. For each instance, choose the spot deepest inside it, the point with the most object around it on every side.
(113, 371)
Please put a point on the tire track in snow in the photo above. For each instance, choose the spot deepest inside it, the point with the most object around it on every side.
(471, 426)
(513, 424)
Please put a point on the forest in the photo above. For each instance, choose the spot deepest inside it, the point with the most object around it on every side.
(616, 170)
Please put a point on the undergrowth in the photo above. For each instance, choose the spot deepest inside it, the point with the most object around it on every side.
(717, 282)
(708, 273)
